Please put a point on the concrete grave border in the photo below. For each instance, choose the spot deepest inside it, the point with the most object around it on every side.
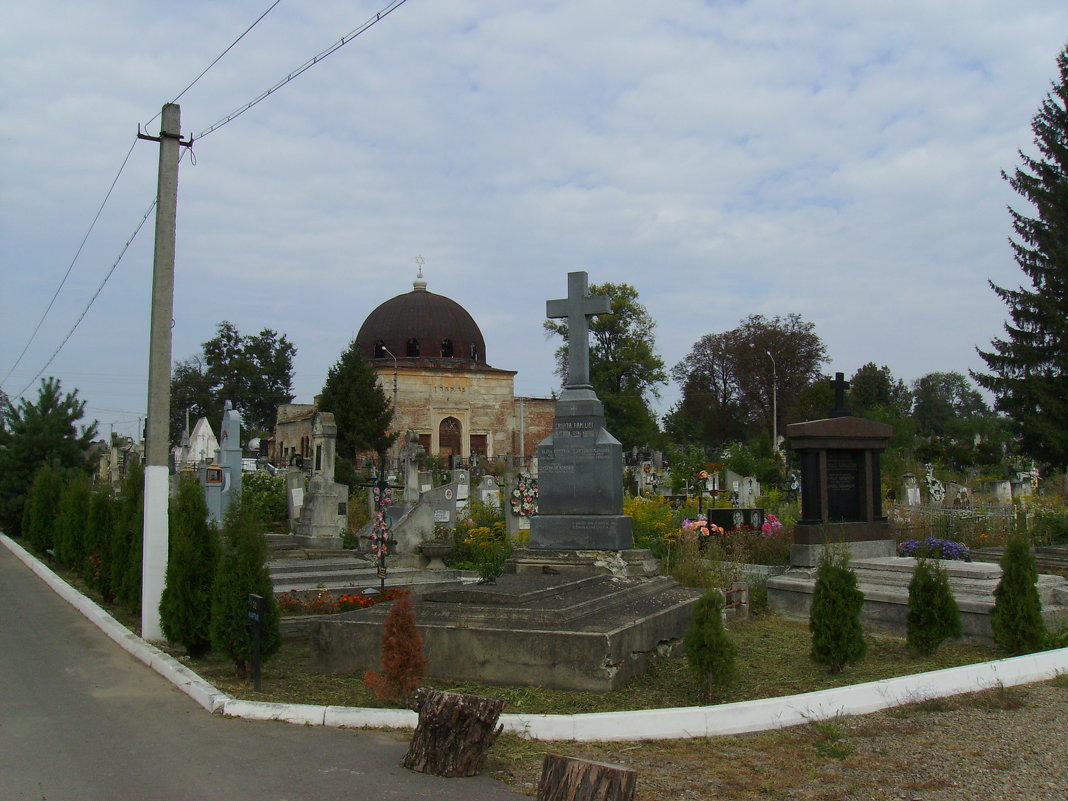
(648, 724)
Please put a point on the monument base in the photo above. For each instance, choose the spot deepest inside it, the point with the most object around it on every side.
(581, 532)
(629, 562)
(570, 632)
(885, 584)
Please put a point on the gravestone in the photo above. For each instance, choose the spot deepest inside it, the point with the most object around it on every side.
(323, 515)
(580, 465)
(1002, 491)
(748, 492)
(910, 490)
(222, 479)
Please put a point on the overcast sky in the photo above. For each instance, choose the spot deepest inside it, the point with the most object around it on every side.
(839, 160)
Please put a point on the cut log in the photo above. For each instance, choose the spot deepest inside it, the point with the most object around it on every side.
(570, 779)
(453, 734)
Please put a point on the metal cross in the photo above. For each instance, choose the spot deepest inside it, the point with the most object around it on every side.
(578, 307)
(839, 385)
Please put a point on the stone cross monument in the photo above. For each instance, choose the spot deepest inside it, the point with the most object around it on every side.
(580, 465)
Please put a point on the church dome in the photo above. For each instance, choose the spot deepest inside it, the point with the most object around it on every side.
(420, 325)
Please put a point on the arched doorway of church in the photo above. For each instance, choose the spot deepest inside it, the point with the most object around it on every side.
(449, 439)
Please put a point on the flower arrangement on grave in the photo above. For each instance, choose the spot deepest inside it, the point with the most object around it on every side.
(324, 603)
(772, 526)
(380, 536)
(701, 529)
(935, 548)
(524, 500)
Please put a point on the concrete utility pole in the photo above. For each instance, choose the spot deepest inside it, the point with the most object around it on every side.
(154, 549)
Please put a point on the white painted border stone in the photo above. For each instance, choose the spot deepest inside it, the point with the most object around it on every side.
(645, 724)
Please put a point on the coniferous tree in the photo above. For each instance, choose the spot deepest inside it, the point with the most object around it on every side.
(933, 614)
(837, 636)
(242, 571)
(1017, 617)
(185, 607)
(1029, 368)
(403, 664)
(70, 521)
(99, 527)
(709, 650)
(39, 514)
(126, 540)
(360, 407)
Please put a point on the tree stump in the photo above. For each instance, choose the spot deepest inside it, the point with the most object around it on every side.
(454, 733)
(570, 779)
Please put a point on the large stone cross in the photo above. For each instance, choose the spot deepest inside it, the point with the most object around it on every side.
(578, 307)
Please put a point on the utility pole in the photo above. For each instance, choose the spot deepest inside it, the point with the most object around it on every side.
(157, 489)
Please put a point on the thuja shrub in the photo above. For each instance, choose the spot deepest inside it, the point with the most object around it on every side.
(125, 559)
(71, 520)
(933, 616)
(837, 636)
(242, 571)
(403, 664)
(709, 650)
(185, 608)
(1017, 617)
(99, 525)
(42, 504)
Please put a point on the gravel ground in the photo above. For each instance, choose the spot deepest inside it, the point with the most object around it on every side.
(1003, 745)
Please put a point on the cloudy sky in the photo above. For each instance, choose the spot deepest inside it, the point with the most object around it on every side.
(840, 160)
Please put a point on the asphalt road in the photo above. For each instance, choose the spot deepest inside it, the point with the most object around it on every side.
(81, 719)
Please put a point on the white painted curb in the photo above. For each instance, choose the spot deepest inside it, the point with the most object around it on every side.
(647, 724)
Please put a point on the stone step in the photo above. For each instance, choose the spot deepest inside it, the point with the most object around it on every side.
(324, 566)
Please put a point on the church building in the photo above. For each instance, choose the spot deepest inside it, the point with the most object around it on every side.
(431, 360)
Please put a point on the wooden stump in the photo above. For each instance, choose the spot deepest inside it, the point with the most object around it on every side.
(570, 779)
(454, 732)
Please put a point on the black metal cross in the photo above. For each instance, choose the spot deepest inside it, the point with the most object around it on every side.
(839, 385)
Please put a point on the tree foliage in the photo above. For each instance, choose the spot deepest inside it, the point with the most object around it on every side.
(71, 519)
(874, 388)
(403, 663)
(185, 607)
(837, 636)
(933, 616)
(1029, 367)
(35, 433)
(253, 372)
(99, 529)
(732, 381)
(361, 410)
(242, 571)
(1016, 620)
(42, 504)
(709, 650)
(126, 539)
(625, 371)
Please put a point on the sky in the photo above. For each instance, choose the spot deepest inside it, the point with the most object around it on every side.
(834, 159)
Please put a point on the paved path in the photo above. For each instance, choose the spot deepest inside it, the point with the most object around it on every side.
(81, 719)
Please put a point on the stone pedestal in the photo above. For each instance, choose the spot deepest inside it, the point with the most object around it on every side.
(630, 562)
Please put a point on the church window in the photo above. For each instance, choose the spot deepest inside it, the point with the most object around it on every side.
(413, 347)
(446, 348)
(474, 351)
(380, 349)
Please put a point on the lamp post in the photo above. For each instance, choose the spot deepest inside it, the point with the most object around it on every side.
(774, 403)
(396, 439)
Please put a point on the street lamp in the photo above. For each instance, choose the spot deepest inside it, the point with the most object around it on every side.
(774, 402)
(396, 439)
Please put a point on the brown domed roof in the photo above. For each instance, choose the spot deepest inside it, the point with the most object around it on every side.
(424, 326)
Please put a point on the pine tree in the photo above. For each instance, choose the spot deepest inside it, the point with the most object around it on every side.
(1017, 617)
(126, 540)
(1029, 369)
(42, 503)
(361, 409)
(837, 636)
(933, 614)
(403, 664)
(709, 650)
(99, 527)
(70, 521)
(242, 571)
(185, 608)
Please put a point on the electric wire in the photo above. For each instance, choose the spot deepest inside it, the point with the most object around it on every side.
(344, 40)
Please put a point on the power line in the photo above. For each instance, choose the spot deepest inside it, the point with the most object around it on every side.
(344, 40)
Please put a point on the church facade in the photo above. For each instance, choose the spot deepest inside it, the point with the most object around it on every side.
(430, 358)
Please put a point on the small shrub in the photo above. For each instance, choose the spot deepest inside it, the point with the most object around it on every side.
(1017, 617)
(837, 636)
(42, 504)
(99, 525)
(933, 615)
(709, 650)
(265, 495)
(403, 664)
(126, 540)
(70, 521)
(1050, 523)
(185, 607)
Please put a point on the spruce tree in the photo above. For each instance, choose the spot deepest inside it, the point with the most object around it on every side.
(837, 636)
(71, 519)
(99, 527)
(42, 503)
(1029, 368)
(242, 571)
(185, 608)
(709, 649)
(1016, 621)
(361, 409)
(933, 614)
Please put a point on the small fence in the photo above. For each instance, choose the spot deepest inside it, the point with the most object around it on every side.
(971, 523)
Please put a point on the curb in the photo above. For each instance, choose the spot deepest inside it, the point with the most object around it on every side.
(741, 717)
